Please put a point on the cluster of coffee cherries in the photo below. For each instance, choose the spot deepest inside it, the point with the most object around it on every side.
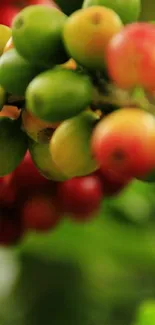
(81, 95)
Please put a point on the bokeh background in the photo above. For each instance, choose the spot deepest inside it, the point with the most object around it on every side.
(85, 274)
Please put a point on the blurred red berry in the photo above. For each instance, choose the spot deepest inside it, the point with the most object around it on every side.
(112, 186)
(80, 197)
(26, 177)
(8, 13)
(8, 191)
(10, 230)
(49, 3)
(39, 213)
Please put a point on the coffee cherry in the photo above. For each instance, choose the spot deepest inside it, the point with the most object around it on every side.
(130, 56)
(112, 186)
(81, 196)
(39, 213)
(123, 143)
(26, 177)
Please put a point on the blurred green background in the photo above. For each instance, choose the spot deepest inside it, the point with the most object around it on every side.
(92, 274)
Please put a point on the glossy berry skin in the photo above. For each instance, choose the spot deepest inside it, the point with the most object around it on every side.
(130, 56)
(87, 33)
(8, 13)
(128, 11)
(123, 144)
(80, 197)
(39, 213)
(5, 34)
